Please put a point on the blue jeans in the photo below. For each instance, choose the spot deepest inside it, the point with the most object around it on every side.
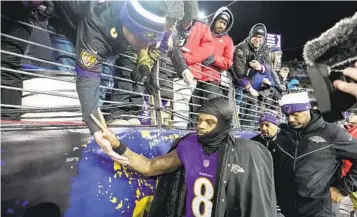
(239, 96)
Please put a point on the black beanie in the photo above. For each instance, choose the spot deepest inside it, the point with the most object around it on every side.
(258, 30)
(224, 16)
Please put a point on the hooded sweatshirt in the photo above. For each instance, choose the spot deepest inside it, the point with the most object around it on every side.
(244, 53)
(223, 49)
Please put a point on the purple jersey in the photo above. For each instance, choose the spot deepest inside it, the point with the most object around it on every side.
(200, 177)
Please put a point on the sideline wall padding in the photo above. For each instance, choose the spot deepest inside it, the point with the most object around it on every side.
(67, 168)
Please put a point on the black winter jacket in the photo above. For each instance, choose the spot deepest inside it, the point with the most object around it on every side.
(97, 32)
(268, 143)
(308, 162)
(244, 52)
(245, 194)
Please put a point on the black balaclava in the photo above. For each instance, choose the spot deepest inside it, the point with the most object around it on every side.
(220, 108)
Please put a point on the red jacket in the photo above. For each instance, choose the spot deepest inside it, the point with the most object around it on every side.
(200, 46)
(223, 49)
(352, 130)
(223, 54)
(347, 164)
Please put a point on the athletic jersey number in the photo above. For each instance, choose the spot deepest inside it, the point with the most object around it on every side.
(202, 198)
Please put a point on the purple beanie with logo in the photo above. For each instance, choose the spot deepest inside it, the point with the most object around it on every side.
(269, 116)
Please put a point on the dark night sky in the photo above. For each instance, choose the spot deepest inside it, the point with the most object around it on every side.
(297, 22)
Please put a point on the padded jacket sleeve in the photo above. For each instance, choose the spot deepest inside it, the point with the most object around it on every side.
(225, 61)
(205, 48)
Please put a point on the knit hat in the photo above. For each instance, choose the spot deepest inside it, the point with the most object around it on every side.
(224, 16)
(175, 9)
(258, 30)
(145, 19)
(295, 102)
(293, 83)
(191, 11)
(269, 116)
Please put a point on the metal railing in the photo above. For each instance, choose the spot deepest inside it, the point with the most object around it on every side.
(151, 109)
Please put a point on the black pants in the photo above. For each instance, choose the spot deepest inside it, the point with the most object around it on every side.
(12, 97)
(166, 78)
(128, 99)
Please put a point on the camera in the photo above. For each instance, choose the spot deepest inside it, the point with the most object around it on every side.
(327, 56)
(331, 102)
(250, 58)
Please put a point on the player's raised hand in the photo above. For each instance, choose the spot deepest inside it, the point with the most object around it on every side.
(121, 159)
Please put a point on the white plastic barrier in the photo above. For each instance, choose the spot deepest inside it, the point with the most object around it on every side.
(50, 101)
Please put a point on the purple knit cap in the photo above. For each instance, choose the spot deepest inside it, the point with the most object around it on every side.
(295, 102)
(298, 107)
(269, 116)
(146, 26)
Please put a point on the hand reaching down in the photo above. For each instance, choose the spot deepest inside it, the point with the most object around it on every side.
(107, 140)
(188, 77)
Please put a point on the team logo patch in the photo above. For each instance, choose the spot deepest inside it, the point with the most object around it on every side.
(113, 32)
(317, 139)
(206, 163)
(287, 109)
(150, 35)
(237, 169)
(88, 59)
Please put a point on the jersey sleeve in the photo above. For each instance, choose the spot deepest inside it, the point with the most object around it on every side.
(90, 50)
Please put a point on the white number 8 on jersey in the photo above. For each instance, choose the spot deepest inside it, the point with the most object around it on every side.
(204, 198)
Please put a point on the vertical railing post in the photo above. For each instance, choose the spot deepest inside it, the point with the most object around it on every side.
(232, 99)
(157, 98)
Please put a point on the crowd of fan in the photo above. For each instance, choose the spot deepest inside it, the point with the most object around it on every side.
(197, 60)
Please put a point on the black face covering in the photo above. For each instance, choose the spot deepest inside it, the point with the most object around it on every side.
(218, 136)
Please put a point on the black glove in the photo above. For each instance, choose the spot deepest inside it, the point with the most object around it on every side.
(281, 88)
(208, 61)
(151, 84)
(140, 73)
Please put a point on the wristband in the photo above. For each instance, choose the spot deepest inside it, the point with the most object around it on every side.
(120, 149)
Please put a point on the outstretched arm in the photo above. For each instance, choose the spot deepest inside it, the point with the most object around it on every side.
(137, 162)
(153, 167)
